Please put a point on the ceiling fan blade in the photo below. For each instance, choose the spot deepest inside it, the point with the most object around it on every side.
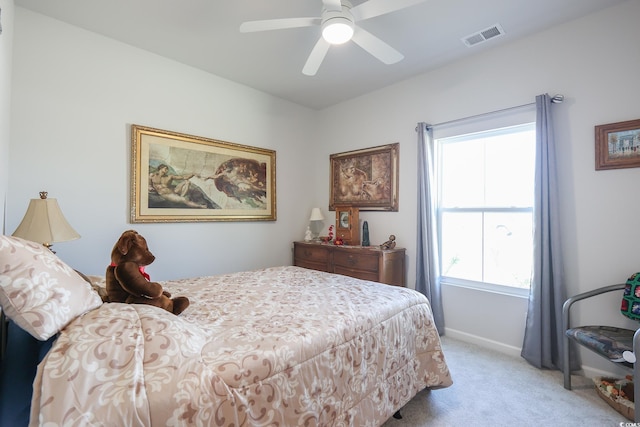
(316, 57)
(278, 24)
(376, 47)
(373, 8)
(332, 5)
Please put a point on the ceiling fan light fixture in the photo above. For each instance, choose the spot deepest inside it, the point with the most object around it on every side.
(337, 30)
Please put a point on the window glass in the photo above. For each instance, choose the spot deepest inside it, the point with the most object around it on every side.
(486, 191)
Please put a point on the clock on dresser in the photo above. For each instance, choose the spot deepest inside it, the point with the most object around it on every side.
(348, 224)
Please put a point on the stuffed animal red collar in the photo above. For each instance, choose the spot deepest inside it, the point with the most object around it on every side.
(141, 268)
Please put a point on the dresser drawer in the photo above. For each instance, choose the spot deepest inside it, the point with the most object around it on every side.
(360, 260)
(320, 266)
(312, 253)
(358, 274)
(315, 257)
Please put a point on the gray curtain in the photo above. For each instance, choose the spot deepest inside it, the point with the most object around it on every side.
(543, 338)
(427, 264)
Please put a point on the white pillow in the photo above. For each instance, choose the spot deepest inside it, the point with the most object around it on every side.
(38, 291)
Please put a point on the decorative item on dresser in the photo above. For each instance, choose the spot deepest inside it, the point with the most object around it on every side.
(367, 263)
(347, 225)
(389, 244)
(365, 234)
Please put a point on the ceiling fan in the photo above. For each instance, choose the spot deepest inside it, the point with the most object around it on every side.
(337, 21)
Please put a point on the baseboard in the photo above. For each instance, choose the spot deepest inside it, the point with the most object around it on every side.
(586, 371)
(483, 342)
(589, 372)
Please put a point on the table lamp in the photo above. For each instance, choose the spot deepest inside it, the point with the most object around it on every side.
(316, 215)
(44, 223)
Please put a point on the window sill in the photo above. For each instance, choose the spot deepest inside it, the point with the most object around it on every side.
(486, 287)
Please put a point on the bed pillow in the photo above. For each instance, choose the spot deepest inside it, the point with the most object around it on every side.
(38, 291)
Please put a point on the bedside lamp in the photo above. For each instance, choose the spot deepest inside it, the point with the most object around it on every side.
(316, 215)
(44, 223)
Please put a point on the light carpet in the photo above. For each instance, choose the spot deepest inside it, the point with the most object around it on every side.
(494, 389)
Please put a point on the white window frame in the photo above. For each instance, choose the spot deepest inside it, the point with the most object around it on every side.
(506, 118)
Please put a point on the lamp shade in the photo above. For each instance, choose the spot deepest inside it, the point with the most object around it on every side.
(44, 223)
(316, 215)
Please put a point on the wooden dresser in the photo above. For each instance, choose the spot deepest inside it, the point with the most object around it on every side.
(368, 263)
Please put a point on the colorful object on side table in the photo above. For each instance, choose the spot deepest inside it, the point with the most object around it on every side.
(630, 306)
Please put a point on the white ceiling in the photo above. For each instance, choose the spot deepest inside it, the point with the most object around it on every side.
(205, 35)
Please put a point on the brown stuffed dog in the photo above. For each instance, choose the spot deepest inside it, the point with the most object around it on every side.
(127, 282)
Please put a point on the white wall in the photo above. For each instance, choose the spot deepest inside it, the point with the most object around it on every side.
(6, 50)
(75, 95)
(595, 63)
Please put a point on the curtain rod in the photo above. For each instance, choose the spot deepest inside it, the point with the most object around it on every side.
(556, 99)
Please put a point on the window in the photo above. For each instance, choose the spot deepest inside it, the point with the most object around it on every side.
(485, 207)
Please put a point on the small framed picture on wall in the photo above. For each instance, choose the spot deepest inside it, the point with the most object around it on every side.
(618, 145)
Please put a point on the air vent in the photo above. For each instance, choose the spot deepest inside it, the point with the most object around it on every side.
(483, 36)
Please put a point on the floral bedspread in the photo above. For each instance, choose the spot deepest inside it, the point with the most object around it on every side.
(283, 346)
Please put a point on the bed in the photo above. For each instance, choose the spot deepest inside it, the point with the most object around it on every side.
(280, 346)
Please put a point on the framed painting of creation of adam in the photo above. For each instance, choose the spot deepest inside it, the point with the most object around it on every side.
(180, 178)
(366, 179)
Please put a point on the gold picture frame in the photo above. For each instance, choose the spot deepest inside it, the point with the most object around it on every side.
(366, 179)
(184, 178)
(618, 145)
